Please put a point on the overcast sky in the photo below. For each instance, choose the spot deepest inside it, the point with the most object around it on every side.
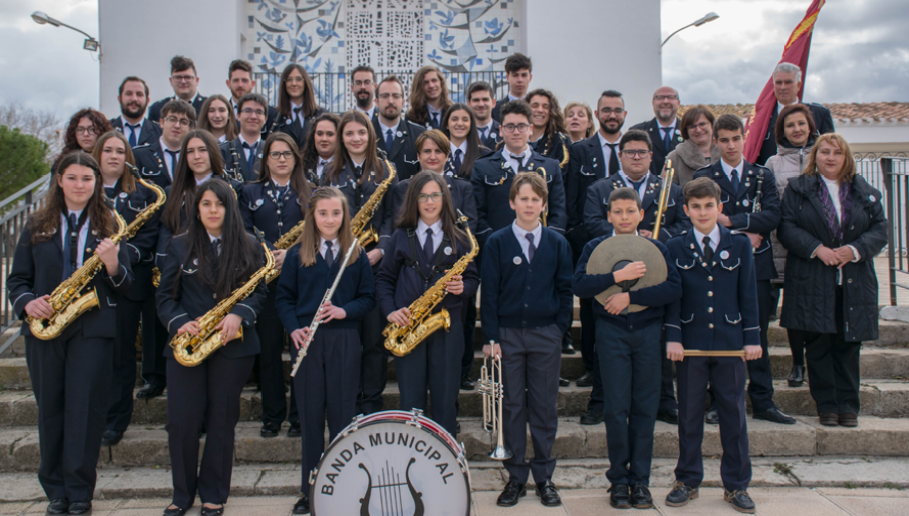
(860, 51)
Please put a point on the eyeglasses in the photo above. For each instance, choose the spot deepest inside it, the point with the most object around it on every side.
(435, 196)
(631, 153)
(179, 121)
(510, 128)
(183, 78)
(251, 111)
(665, 97)
(702, 126)
(294, 79)
(386, 96)
(367, 82)
(275, 155)
(617, 111)
(85, 130)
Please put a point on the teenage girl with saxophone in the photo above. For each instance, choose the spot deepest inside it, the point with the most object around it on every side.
(425, 245)
(70, 373)
(200, 272)
(275, 204)
(329, 374)
(130, 198)
(357, 171)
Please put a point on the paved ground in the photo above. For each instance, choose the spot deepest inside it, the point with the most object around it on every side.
(770, 501)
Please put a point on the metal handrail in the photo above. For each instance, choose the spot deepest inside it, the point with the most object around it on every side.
(896, 186)
(24, 191)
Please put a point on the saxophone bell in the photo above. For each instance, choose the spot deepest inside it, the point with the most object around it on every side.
(492, 389)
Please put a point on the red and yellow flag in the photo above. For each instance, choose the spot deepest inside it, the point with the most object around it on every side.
(795, 52)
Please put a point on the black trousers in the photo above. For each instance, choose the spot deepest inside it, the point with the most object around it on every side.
(271, 366)
(833, 367)
(327, 384)
(630, 364)
(727, 374)
(470, 326)
(589, 352)
(434, 363)
(531, 361)
(796, 346)
(154, 339)
(208, 394)
(123, 374)
(373, 362)
(71, 379)
(667, 379)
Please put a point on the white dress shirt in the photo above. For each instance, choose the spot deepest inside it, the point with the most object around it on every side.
(607, 151)
(127, 130)
(462, 148)
(630, 183)
(248, 151)
(727, 169)
(334, 248)
(515, 166)
(436, 234)
(204, 179)
(371, 112)
(521, 235)
(714, 238)
(171, 167)
(320, 167)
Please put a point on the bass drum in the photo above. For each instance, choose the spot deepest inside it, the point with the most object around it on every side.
(392, 463)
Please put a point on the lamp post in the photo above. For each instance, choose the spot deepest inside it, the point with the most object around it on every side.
(91, 44)
(709, 17)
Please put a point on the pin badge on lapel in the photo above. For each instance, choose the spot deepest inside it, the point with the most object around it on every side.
(517, 260)
(745, 203)
(260, 202)
(447, 251)
(724, 255)
(123, 195)
(400, 134)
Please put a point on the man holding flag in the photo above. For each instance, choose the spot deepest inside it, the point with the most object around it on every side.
(785, 87)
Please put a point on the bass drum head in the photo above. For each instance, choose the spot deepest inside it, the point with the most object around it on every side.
(390, 467)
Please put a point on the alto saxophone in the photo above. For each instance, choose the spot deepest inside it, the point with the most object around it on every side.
(65, 300)
(191, 350)
(285, 242)
(360, 225)
(401, 340)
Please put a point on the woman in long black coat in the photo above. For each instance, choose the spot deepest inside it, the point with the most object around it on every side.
(833, 225)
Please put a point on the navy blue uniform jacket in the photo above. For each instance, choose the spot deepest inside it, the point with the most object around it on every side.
(461, 198)
(150, 131)
(141, 248)
(652, 128)
(517, 294)
(301, 289)
(358, 195)
(403, 152)
(674, 219)
(150, 162)
(738, 206)
(585, 166)
(718, 309)
(154, 111)
(262, 208)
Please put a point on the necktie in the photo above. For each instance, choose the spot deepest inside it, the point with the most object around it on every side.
(216, 246)
(666, 140)
(132, 134)
(457, 160)
(531, 249)
(613, 159)
(173, 161)
(70, 245)
(329, 255)
(251, 158)
(483, 134)
(520, 160)
(389, 140)
(109, 192)
(637, 185)
(297, 117)
(735, 180)
(428, 250)
(435, 121)
(708, 251)
(358, 171)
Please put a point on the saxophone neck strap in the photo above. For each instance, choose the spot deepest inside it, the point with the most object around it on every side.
(414, 259)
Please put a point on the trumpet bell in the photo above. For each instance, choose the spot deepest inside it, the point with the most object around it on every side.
(500, 453)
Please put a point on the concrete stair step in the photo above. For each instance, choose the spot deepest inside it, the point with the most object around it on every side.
(883, 398)
(876, 363)
(146, 446)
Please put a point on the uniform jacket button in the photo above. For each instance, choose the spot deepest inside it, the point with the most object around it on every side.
(710, 326)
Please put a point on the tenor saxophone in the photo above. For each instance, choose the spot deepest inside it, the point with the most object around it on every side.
(65, 300)
(401, 340)
(360, 225)
(191, 350)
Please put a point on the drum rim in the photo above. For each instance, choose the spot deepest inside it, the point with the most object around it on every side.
(359, 425)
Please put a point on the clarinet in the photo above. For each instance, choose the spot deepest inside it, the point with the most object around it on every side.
(756, 207)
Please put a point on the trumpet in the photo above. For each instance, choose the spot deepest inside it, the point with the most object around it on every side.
(665, 189)
(492, 388)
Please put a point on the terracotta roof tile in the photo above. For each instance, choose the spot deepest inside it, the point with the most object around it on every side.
(869, 111)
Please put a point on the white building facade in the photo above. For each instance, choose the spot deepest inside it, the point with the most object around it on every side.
(579, 47)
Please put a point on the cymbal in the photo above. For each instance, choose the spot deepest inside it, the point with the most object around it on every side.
(617, 251)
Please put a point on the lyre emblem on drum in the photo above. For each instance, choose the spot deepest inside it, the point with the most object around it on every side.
(390, 494)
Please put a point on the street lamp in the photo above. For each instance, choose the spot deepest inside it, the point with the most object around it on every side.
(91, 44)
(709, 17)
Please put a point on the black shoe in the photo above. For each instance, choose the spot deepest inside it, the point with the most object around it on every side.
(563, 382)
(457, 427)
(592, 417)
(80, 508)
(175, 511)
(208, 511)
(294, 430)
(619, 496)
(548, 494)
(111, 438)
(774, 416)
(302, 505)
(269, 430)
(59, 506)
(712, 418)
(640, 497)
(740, 501)
(567, 348)
(149, 391)
(670, 416)
(585, 381)
(467, 384)
(511, 493)
(680, 495)
(797, 376)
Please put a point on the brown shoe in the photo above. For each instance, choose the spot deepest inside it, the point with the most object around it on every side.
(848, 419)
(829, 418)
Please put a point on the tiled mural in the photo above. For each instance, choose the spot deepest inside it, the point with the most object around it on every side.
(392, 36)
